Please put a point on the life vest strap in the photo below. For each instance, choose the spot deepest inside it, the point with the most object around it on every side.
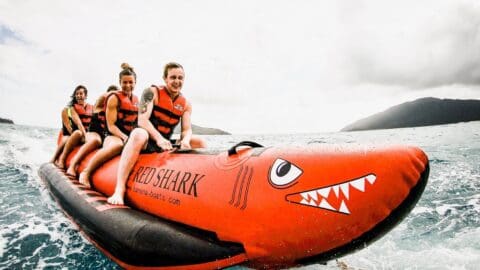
(166, 112)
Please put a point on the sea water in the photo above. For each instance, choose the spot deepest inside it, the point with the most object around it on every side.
(442, 231)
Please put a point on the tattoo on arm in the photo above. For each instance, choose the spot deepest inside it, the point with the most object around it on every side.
(147, 97)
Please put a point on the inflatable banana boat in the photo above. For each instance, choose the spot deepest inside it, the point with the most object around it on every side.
(252, 205)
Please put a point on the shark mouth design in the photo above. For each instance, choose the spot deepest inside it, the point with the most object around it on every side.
(333, 198)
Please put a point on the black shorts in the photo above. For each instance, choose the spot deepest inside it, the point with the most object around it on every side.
(152, 147)
(95, 127)
(101, 134)
(65, 131)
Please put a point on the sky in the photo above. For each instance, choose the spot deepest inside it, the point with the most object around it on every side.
(252, 67)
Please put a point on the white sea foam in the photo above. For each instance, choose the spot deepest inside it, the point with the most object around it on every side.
(29, 150)
(421, 209)
(3, 245)
(387, 255)
(475, 202)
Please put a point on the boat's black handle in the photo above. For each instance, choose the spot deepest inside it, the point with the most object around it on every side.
(233, 150)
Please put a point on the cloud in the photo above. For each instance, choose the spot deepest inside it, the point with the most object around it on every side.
(251, 66)
(422, 45)
(6, 34)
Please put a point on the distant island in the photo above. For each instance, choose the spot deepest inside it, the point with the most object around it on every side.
(6, 121)
(198, 130)
(421, 112)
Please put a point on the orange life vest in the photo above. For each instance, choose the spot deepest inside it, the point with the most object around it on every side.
(85, 113)
(166, 112)
(127, 112)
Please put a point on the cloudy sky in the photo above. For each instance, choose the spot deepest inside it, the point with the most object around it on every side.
(251, 66)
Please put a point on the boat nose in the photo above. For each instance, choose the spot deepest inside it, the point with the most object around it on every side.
(419, 168)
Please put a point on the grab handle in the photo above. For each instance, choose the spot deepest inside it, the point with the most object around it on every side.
(233, 150)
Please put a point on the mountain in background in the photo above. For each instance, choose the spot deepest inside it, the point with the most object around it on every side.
(421, 112)
(198, 130)
(6, 121)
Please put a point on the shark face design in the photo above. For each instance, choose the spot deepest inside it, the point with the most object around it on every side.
(284, 174)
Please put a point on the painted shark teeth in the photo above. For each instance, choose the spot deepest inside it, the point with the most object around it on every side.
(343, 208)
(319, 197)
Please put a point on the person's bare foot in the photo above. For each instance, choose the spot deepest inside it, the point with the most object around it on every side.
(59, 165)
(116, 198)
(84, 179)
(71, 171)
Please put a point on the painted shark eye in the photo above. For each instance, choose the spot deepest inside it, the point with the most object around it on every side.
(283, 173)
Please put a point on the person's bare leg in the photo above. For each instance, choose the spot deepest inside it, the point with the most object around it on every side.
(93, 141)
(59, 149)
(112, 146)
(74, 140)
(136, 142)
(197, 142)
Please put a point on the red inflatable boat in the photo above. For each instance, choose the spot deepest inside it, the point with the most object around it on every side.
(263, 207)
